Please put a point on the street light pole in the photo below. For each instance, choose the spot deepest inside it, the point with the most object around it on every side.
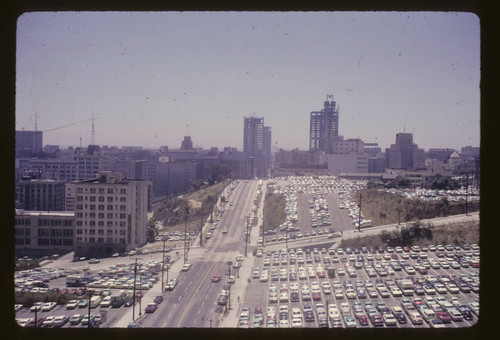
(246, 238)
(163, 266)
(201, 224)
(133, 291)
(90, 298)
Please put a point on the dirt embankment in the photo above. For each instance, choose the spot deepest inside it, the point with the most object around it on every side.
(173, 212)
(387, 208)
(455, 234)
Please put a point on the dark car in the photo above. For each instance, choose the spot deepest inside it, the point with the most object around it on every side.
(158, 299)
(151, 308)
(128, 303)
(401, 318)
(376, 319)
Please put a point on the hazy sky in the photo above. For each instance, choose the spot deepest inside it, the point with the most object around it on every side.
(149, 74)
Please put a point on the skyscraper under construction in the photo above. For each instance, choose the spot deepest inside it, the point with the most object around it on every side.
(324, 124)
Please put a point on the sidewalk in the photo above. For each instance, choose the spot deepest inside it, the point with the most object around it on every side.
(148, 297)
(238, 288)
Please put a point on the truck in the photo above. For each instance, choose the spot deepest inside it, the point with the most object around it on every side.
(117, 300)
(74, 281)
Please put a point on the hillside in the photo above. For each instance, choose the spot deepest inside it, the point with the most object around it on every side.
(172, 212)
(382, 207)
(455, 234)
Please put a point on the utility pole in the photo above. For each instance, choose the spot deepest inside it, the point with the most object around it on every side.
(163, 265)
(185, 233)
(466, 194)
(201, 224)
(133, 291)
(399, 216)
(90, 298)
(246, 238)
(359, 214)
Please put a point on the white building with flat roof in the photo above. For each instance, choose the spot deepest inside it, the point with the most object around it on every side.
(110, 214)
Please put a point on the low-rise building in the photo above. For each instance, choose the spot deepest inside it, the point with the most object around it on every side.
(41, 233)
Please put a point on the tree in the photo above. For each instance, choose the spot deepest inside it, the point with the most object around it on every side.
(403, 182)
(216, 172)
(151, 231)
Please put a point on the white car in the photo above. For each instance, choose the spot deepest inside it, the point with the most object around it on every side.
(72, 304)
(296, 323)
(48, 306)
(106, 302)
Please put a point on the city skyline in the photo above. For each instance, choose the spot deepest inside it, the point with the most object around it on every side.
(148, 76)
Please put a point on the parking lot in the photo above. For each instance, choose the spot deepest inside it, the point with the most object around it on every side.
(293, 288)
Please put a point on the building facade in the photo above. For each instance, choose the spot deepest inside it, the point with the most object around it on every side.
(324, 124)
(253, 135)
(404, 154)
(110, 214)
(38, 233)
(28, 142)
(40, 194)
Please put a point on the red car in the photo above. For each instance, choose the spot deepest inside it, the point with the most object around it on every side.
(316, 296)
(443, 316)
(258, 310)
(216, 278)
(363, 320)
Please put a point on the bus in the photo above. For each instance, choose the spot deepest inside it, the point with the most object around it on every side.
(95, 301)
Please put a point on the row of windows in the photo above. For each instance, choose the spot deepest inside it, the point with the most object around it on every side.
(54, 242)
(100, 223)
(100, 240)
(22, 232)
(99, 232)
(55, 232)
(109, 199)
(51, 222)
(123, 207)
(22, 221)
(101, 190)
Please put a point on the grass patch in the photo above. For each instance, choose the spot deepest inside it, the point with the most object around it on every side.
(274, 211)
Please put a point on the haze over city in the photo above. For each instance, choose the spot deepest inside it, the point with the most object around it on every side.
(154, 77)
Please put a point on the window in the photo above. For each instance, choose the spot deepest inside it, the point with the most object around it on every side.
(123, 207)
(100, 232)
(109, 215)
(100, 215)
(92, 232)
(92, 215)
(92, 190)
(110, 190)
(123, 199)
(101, 198)
(110, 206)
(123, 191)
(101, 206)
(123, 215)
(43, 241)
(92, 198)
(100, 224)
(92, 239)
(110, 199)
(100, 240)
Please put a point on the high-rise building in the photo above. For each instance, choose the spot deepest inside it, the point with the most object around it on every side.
(404, 154)
(324, 125)
(253, 133)
(266, 147)
(110, 214)
(28, 142)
